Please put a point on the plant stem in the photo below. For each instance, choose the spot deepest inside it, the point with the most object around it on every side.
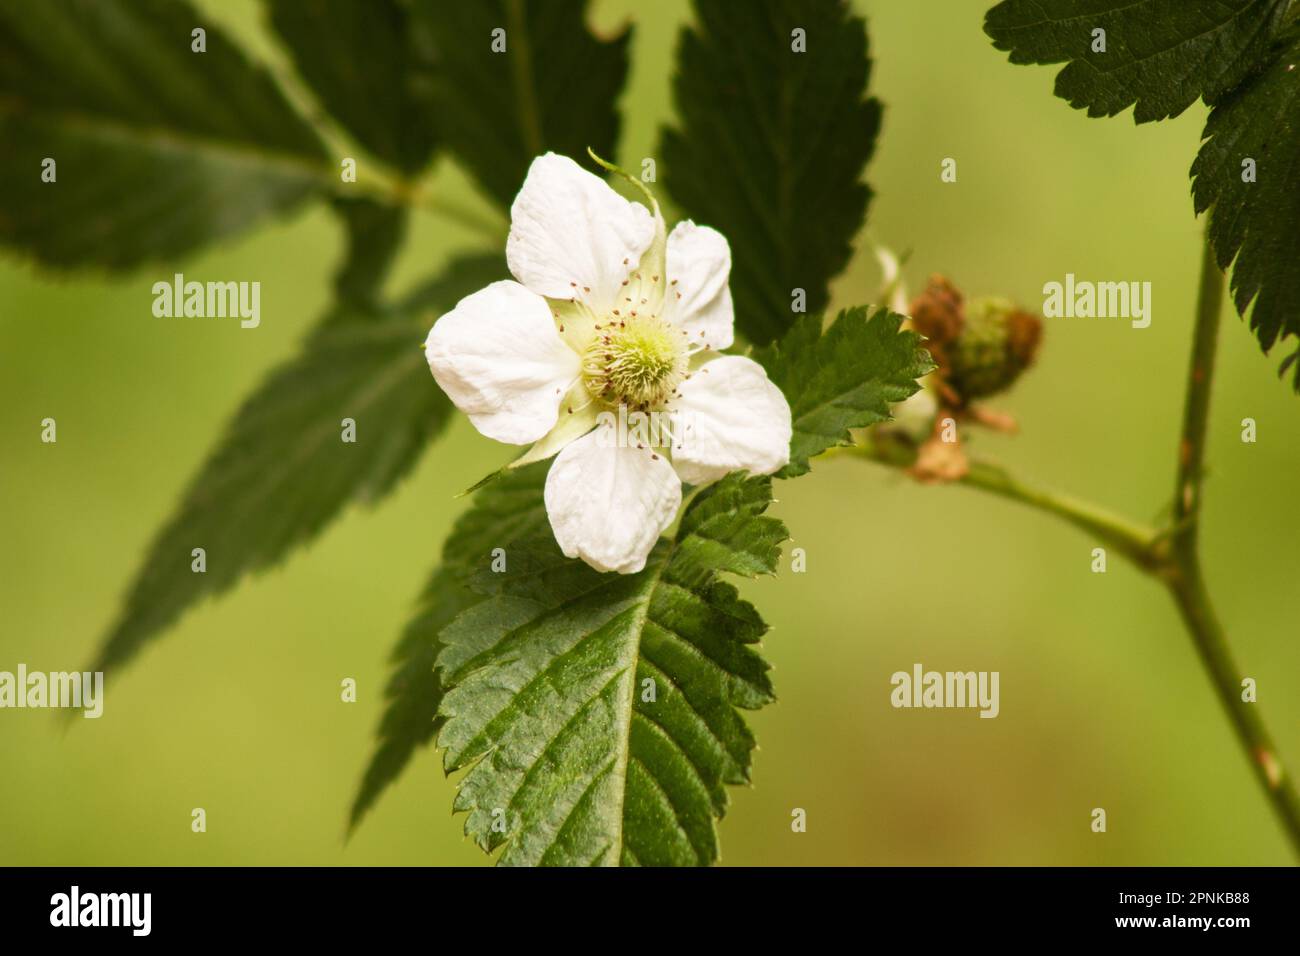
(1140, 544)
(379, 182)
(1183, 574)
(530, 125)
(393, 190)
(1171, 555)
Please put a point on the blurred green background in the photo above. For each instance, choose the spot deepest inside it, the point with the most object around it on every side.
(1103, 703)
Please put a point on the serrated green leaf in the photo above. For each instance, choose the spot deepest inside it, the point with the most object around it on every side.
(158, 149)
(509, 509)
(281, 471)
(1258, 223)
(368, 68)
(555, 87)
(375, 232)
(548, 707)
(1160, 54)
(771, 147)
(845, 377)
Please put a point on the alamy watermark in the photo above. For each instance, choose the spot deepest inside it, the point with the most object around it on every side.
(75, 908)
(1098, 300)
(209, 300)
(84, 690)
(637, 429)
(922, 688)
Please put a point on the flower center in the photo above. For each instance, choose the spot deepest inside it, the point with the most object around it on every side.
(637, 361)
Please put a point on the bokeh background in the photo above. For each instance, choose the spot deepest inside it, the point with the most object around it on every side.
(1104, 704)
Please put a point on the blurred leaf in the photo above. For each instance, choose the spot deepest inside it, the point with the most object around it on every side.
(368, 68)
(771, 147)
(509, 509)
(1160, 54)
(281, 472)
(555, 87)
(159, 150)
(1258, 223)
(375, 232)
(548, 680)
(846, 377)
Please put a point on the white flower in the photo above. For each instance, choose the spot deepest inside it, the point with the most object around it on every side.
(608, 312)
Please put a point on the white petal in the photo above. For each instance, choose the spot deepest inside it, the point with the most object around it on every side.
(578, 416)
(499, 357)
(733, 419)
(608, 505)
(699, 300)
(571, 235)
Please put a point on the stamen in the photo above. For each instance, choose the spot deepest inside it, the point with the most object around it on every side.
(638, 359)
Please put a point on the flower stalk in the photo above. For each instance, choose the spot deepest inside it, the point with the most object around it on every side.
(1171, 554)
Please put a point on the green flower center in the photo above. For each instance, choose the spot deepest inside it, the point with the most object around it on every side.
(636, 361)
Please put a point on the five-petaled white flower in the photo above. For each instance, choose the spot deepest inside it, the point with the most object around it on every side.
(608, 312)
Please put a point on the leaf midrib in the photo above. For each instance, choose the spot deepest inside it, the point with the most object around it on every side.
(625, 751)
(97, 125)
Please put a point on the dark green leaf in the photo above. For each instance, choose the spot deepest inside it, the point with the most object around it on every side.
(554, 88)
(369, 68)
(159, 150)
(281, 471)
(1160, 54)
(1258, 222)
(507, 510)
(374, 234)
(771, 147)
(844, 378)
(549, 706)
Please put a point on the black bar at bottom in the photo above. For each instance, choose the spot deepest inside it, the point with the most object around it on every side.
(212, 905)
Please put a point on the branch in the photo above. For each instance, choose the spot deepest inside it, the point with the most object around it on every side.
(1142, 545)
(1171, 555)
(1184, 576)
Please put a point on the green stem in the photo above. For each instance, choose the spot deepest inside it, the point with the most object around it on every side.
(521, 64)
(1140, 544)
(1171, 555)
(394, 190)
(378, 181)
(1184, 576)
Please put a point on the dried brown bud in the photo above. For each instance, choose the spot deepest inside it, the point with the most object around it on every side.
(937, 313)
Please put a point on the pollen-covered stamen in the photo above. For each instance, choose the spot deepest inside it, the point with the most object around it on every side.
(637, 361)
